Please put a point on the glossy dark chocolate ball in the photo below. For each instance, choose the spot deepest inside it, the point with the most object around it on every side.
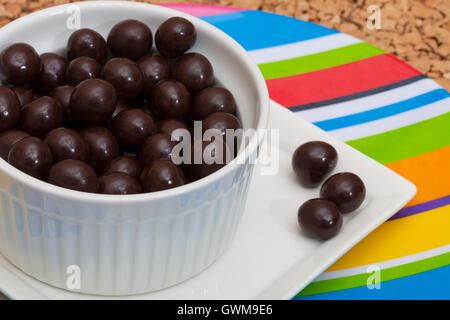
(9, 109)
(8, 139)
(171, 99)
(206, 158)
(132, 127)
(20, 64)
(313, 161)
(32, 156)
(66, 143)
(118, 183)
(157, 146)
(73, 174)
(53, 71)
(221, 121)
(169, 125)
(131, 39)
(103, 146)
(194, 71)
(161, 175)
(125, 75)
(210, 100)
(345, 189)
(89, 43)
(62, 95)
(124, 165)
(93, 101)
(41, 115)
(319, 219)
(82, 68)
(154, 68)
(26, 95)
(175, 36)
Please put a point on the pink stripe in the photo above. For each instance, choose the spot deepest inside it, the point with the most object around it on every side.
(201, 10)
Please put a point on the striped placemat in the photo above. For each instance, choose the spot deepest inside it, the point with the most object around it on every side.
(380, 106)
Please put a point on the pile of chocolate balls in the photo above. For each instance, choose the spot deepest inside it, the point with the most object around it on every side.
(101, 118)
(341, 193)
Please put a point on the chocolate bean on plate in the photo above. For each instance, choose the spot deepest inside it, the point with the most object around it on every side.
(154, 68)
(195, 71)
(130, 39)
(125, 75)
(82, 68)
(118, 183)
(73, 174)
(171, 99)
(132, 127)
(345, 189)
(162, 174)
(175, 36)
(9, 109)
(93, 101)
(66, 143)
(20, 64)
(103, 146)
(41, 115)
(319, 218)
(157, 146)
(8, 139)
(89, 43)
(53, 70)
(32, 156)
(124, 165)
(210, 100)
(313, 161)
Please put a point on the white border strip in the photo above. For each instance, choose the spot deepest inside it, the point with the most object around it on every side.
(302, 48)
(384, 264)
(394, 122)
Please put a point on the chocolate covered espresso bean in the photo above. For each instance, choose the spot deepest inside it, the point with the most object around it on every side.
(73, 174)
(130, 39)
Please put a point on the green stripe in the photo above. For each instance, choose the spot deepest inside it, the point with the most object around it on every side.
(406, 142)
(318, 61)
(387, 274)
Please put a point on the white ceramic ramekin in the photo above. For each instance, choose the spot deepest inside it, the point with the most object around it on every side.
(135, 243)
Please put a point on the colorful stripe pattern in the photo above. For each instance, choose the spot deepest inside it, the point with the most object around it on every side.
(380, 106)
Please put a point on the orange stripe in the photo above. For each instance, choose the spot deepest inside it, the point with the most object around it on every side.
(400, 238)
(430, 172)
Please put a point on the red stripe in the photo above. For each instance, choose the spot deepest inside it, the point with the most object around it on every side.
(339, 81)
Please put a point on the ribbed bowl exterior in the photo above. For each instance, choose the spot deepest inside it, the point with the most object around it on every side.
(120, 250)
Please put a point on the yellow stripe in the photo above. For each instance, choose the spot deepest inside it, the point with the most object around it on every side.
(400, 237)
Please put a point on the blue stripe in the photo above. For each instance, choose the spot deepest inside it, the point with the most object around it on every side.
(257, 29)
(433, 284)
(383, 112)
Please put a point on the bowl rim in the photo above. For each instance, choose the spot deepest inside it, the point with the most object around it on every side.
(254, 142)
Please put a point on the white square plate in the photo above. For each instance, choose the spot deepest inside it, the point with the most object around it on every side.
(269, 258)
